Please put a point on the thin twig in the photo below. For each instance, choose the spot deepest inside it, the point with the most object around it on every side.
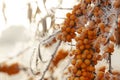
(50, 61)
(65, 8)
(39, 54)
(110, 66)
(31, 63)
(53, 35)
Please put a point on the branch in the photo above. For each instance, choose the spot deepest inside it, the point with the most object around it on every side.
(50, 61)
(44, 41)
(39, 54)
(110, 66)
(65, 8)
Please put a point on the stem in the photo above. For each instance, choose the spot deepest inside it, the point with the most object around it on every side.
(110, 66)
(50, 61)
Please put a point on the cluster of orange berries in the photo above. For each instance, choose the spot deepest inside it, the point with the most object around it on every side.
(61, 54)
(68, 29)
(10, 70)
(85, 57)
(91, 28)
(104, 75)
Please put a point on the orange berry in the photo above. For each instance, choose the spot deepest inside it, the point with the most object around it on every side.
(89, 56)
(68, 29)
(73, 62)
(90, 33)
(77, 51)
(68, 38)
(64, 33)
(84, 56)
(102, 26)
(72, 23)
(72, 17)
(71, 78)
(72, 30)
(78, 73)
(112, 38)
(86, 41)
(78, 12)
(82, 78)
(80, 42)
(68, 15)
(78, 56)
(76, 78)
(87, 61)
(84, 74)
(74, 70)
(83, 65)
(86, 51)
(87, 46)
(87, 1)
(78, 63)
(82, 47)
(73, 35)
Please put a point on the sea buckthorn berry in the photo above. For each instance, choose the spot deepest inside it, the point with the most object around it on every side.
(76, 78)
(112, 38)
(67, 21)
(79, 61)
(68, 38)
(86, 41)
(68, 29)
(71, 78)
(86, 51)
(82, 47)
(73, 62)
(82, 78)
(91, 68)
(89, 56)
(64, 33)
(74, 69)
(72, 17)
(83, 65)
(90, 33)
(72, 23)
(77, 52)
(87, 61)
(80, 42)
(87, 46)
(78, 56)
(87, 1)
(84, 56)
(84, 74)
(78, 12)
(68, 15)
(78, 73)
(73, 35)
(102, 26)
(72, 30)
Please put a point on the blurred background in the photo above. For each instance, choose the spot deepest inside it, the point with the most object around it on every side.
(23, 23)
